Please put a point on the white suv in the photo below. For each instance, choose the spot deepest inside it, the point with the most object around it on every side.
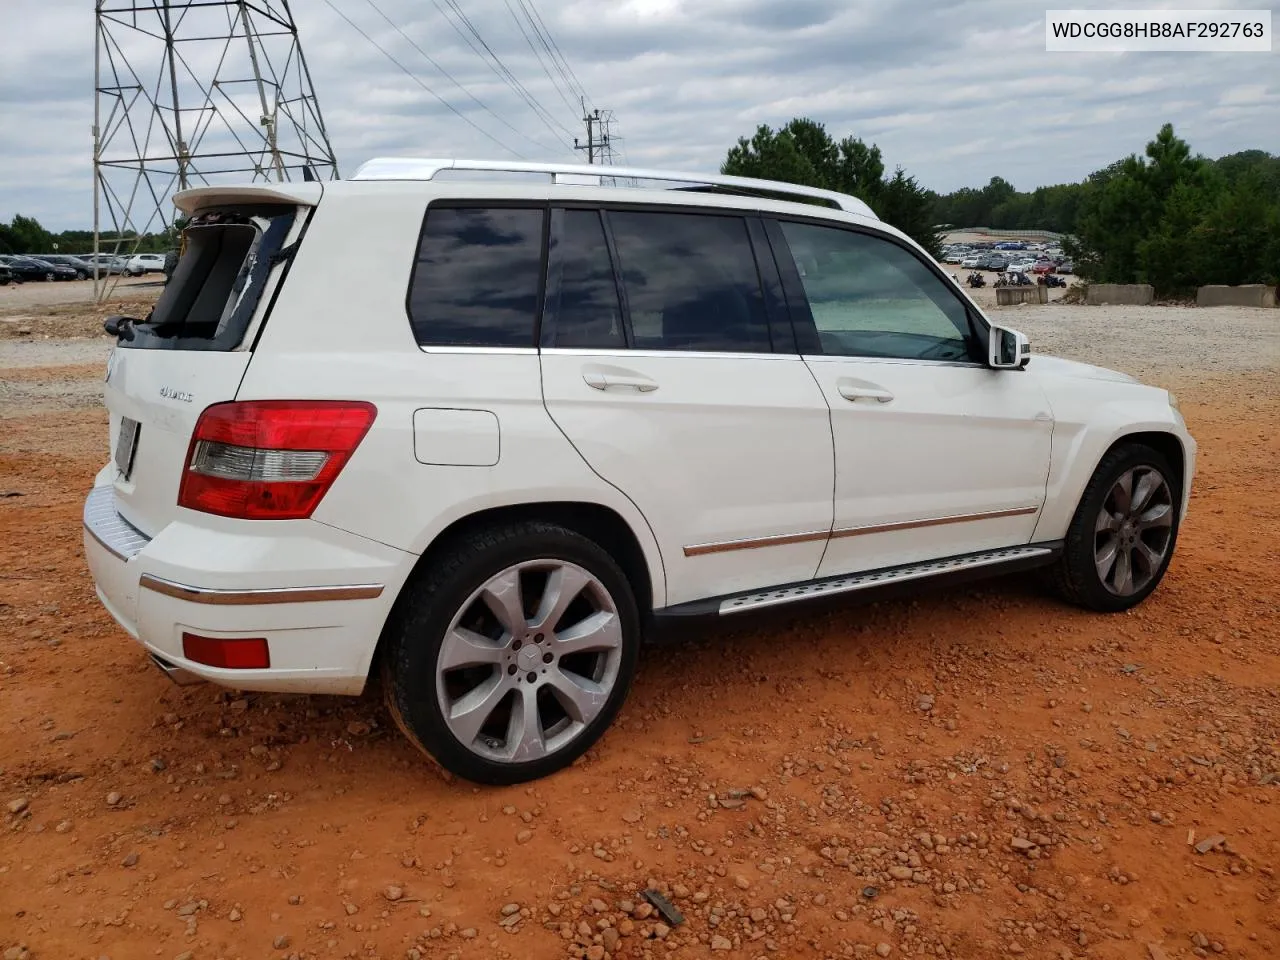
(141, 263)
(481, 432)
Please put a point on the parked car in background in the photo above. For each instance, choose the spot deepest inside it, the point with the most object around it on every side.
(993, 261)
(106, 264)
(31, 269)
(6, 276)
(973, 261)
(1066, 266)
(1043, 266)
(141, 263)
(82, 267)
(1020, 265)
(558, 413)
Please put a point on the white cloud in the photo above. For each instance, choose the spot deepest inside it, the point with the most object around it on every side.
(955, 92)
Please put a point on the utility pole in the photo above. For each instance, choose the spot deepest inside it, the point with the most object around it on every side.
(599, 145)
(590, 119)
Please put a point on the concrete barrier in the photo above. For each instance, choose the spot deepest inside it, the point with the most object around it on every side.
(1247, 295)
(1009, 296)
(1134, 294)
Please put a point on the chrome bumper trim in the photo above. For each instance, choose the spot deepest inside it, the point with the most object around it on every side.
(181, 591)
(112, 532)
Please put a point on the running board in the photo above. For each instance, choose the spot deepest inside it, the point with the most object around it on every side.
(968, 567)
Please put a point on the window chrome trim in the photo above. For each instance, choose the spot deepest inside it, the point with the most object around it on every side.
(777, 540)
(837, 357)
(181, 591)
(621, 352)
(505, 351)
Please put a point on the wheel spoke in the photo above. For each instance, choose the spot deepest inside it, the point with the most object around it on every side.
(600, 631)
(1122, 579)
(466, 648)
(469, 712)
(502, 596)
(562, 588)
(581, 698)
(1159, 516)
(1150, 558)
(1122, 493)
(525, 740)
(1105, 559)
(1107, 522)
(1143, 491)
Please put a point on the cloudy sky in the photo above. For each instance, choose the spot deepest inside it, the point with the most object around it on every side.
(954, 92)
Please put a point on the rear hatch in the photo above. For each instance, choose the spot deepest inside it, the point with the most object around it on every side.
(192, 349)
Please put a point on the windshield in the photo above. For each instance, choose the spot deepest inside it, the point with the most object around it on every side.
(218, 282)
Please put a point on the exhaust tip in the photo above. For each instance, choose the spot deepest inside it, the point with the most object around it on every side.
(178, 675)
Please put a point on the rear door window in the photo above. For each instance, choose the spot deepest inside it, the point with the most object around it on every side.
(218, 282)
(477, 281)
(583, 310)
(690, 281)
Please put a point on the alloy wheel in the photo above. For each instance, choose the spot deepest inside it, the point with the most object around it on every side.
(529, 661)
(1134, 530)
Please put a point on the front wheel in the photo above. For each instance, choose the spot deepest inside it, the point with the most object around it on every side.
(1121, 538)
(511, 655)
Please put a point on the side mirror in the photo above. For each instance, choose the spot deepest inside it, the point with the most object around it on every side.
(1008, 349)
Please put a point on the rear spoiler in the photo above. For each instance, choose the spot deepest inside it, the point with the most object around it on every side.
(302, 194)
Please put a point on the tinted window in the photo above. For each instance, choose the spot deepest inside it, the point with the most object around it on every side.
(583, 305)
(477, 277)
(691, 282)
(872, 298)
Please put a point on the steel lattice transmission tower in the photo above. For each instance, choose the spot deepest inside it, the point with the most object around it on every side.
(191, 92)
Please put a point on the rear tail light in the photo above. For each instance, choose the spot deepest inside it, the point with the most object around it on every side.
(270, 459)
(230, 653)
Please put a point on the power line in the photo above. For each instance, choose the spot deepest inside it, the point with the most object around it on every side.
(394, 26)
(496, 64)
(418, 80)
(575, 84)
(568, 102)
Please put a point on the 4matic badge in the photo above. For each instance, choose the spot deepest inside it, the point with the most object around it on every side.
(171, 394)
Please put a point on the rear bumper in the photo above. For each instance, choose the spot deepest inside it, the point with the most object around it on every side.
(317, 594)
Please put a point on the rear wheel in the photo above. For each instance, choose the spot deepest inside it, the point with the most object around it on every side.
(511, 655)
(49, 277)
(1122, 536)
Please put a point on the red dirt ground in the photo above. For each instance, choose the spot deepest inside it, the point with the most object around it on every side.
(898, 753)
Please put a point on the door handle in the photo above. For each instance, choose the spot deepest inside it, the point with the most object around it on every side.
(602, 381)
(855, 393)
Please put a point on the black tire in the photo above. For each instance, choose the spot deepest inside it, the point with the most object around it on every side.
(415, 631)
(1075, 576)
(50, 277)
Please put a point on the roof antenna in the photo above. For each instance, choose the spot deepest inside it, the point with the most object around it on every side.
(308, 175)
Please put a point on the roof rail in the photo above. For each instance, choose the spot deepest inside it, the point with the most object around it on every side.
(413, 168)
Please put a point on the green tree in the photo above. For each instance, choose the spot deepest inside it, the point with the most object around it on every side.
(802, 152)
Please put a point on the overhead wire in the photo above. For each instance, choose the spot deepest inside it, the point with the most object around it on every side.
(549, 41)
(495, 62)
(474, 99)
(568, 101)
(418, 80)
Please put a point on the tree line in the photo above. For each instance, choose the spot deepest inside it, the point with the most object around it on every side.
(25, 235)
(1170, 218)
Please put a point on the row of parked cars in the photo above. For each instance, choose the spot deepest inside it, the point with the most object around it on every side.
(59, 266)
(1008, 261)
